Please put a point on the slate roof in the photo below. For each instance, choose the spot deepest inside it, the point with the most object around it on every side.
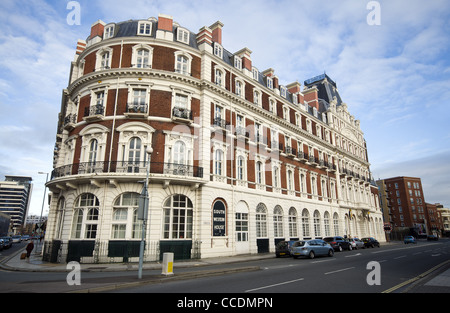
(326, 86)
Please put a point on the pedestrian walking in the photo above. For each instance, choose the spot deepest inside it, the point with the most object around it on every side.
(29, 248)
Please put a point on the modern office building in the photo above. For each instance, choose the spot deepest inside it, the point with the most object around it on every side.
(15, 197)
(238, 162)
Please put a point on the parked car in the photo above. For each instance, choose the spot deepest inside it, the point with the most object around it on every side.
(2, 244)
(356, 243)
(283, 248)
(25, 237)
(370, 242)
(17, 239)
(409, 239)
(338, 243)
(311, 248)
(432, 237)
(7, 242)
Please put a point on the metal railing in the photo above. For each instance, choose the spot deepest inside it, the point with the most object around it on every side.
(127, 168)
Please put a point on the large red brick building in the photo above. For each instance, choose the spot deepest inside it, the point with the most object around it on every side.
(407, 206)
(239, 162)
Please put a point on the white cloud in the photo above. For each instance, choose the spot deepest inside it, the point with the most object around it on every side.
(432, 170)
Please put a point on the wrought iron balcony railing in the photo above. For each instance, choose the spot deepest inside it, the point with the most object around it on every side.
(182, 113)
(94, 110)
(137, 108)
(123, 167)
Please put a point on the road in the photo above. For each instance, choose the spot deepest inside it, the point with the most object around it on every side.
(347, 272)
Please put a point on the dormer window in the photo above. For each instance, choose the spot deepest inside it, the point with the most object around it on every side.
(294, 98)
(218, 50)
(109, 31)
(183, 35)
(255, 73)
(283, 91)
(238, 63)
(144, 28)
(269, 83)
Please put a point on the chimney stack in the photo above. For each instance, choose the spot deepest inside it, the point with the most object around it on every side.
(165, 27)
(81, 46)
(217, 32)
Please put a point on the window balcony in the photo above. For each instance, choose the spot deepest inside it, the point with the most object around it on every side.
(96, 173)
(291, 152)
(302, 156)
(70, 121)
(219, 122)
(124, 167)
(182, 114)
(94, 112)
(241, 132)
(137, 110)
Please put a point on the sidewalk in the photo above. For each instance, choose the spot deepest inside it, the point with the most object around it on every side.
(36, 264)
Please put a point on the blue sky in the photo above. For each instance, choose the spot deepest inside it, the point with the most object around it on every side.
(394, 77)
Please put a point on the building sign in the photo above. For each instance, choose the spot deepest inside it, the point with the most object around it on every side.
(219, 215)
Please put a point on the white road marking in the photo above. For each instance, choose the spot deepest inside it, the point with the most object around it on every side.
(274, 285)
(344, 269)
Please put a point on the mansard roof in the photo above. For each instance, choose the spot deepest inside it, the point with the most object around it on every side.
(327, 89)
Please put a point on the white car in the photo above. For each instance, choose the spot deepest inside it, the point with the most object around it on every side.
(16, 239)
(356, 243)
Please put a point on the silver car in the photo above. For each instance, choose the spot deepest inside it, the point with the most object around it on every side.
(311, 248)
(356, 243)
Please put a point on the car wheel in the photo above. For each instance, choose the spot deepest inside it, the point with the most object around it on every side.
(350, 248)
(311, 255)
(340, 248)
(330, 252)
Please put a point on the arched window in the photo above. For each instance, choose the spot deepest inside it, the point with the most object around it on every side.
(278, 221)
(326, 223)
(86, 215)
(125, 214)
(336, 224)
(261, 221)
(305, 223)
(316, 217)
(179, 153)
(293, 232)
(178, 210)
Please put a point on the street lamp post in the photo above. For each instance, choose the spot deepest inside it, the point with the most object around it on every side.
(145, 214)
(42, 209)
